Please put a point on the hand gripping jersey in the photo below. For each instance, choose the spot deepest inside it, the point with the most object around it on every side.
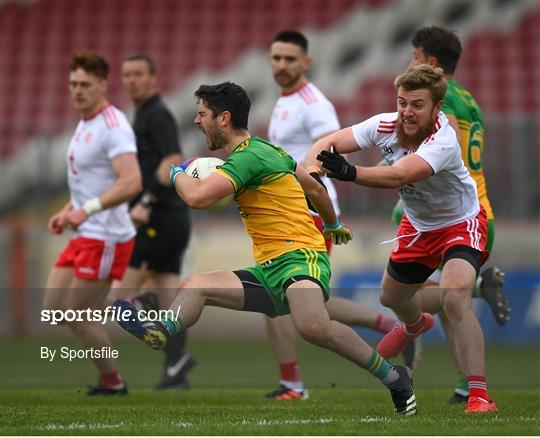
(96, 142)
(271, 201)
(298, 119)
(448, 196)
(459, 103)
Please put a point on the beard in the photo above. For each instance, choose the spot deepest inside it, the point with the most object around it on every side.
(413, 141)
(285, 80)
(216, 140)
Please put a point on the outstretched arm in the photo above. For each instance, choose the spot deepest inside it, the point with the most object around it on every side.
(407, 170)
(343, 142)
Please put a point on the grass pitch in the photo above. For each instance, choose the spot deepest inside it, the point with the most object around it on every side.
(41, 398)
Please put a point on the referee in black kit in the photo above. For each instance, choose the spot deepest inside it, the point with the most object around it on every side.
(162, 219)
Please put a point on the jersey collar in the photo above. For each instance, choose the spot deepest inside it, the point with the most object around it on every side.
(100, 110)
(296, 90)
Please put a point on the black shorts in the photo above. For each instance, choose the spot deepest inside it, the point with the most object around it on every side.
(256, 298)
(418, 273)
(160, 244)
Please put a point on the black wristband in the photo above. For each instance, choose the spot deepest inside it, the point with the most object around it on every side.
(154, 188)
(147, 200)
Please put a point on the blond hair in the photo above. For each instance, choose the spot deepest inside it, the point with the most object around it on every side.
(423, 76)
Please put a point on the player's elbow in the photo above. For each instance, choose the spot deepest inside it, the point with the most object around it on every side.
(395, 183)
(315, 191)
(196, 199)
(129, 186)
(398, 179)
(134, 186)
(190, 199)
(195, 202)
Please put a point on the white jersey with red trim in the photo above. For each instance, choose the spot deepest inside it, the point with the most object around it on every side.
(448, 196)
(95, 143)
(298, 119)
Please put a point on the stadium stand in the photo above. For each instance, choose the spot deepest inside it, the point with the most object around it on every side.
(358, 46)
(40, 36)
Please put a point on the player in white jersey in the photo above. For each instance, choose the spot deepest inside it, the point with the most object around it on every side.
(103, 174)
(443, 221)
(426, 208)
(301, 116)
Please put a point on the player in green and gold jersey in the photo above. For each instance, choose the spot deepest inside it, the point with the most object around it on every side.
(439, 47)
(292, 270)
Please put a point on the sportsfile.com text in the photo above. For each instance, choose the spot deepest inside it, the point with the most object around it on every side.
(110, 313)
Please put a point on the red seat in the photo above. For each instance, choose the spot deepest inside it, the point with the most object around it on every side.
(188, 35)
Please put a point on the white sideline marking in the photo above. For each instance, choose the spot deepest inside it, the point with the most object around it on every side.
(80, 426)
(370, 419)
(288, 422)
(263, 422)
(97, 426)
(183, 424)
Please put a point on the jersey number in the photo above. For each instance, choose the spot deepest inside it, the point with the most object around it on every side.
(475, 146)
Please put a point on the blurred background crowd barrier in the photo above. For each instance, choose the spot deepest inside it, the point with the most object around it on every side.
(358, 47)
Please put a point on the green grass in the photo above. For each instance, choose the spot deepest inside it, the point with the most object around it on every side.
(244, 412)
(39, 398)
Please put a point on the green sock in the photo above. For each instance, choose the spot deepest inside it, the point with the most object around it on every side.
(381, 368)
(462, 385)
(173, 325)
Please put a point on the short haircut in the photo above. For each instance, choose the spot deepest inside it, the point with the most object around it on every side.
(423, 76)
(441, 43)
(91, 62)
(141, 56)
(226, 96)
(293, 37)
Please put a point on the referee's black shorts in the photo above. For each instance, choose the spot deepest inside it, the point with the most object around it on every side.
(160, 245)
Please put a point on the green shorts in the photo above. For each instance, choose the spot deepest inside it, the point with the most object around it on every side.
(491, 235)
(275, 275)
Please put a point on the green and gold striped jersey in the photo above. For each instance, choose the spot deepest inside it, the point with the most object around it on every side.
(459, 103)
(271, 201)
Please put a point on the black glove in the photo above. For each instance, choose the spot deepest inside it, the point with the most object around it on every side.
(337, 165)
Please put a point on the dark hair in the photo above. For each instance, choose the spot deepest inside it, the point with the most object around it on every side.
(141, 56)
(423, 76)
(226, 96)
(441, 43)
(91, 62)
(293, 37)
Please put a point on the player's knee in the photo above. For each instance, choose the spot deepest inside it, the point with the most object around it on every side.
(387, 300)
(313, 331)
(454, 303)
(191, 283)
(460, 283)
